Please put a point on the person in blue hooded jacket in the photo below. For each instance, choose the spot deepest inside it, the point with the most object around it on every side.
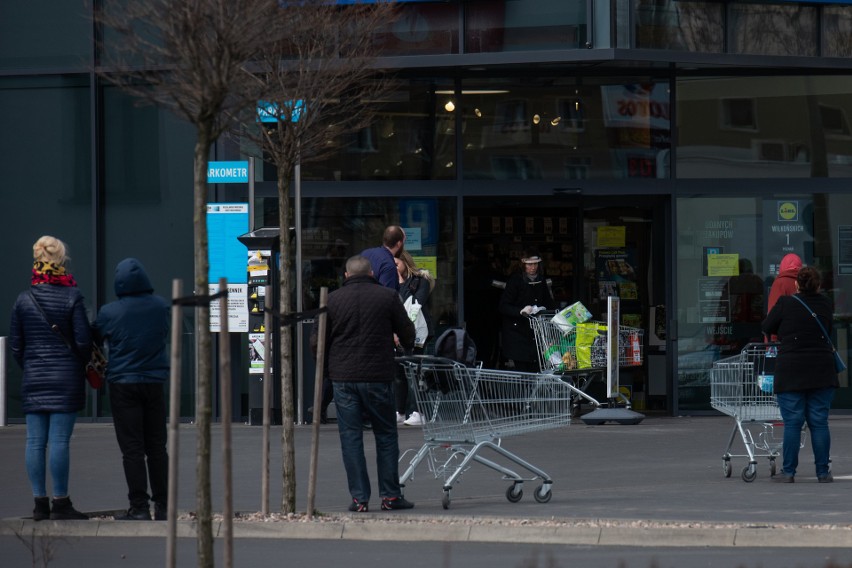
(135, 331)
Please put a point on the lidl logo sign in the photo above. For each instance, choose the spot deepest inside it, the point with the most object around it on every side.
(788, 210)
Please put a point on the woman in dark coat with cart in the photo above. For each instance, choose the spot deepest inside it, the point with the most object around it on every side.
(805, 377)
(524, 291)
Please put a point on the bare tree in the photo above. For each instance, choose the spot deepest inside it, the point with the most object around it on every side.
(318, 82)
(192, 58)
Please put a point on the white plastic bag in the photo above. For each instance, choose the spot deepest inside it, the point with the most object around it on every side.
(415, 314)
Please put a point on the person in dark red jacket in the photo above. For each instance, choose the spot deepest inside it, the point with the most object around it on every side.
(805, 377)
(362, 319)
(53, 385)
(785, 283)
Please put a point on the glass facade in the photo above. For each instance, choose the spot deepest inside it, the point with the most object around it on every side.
(412, 138)
(479, 155)
(524, 24)
(565, 128)
(728, 253)
(764, 127)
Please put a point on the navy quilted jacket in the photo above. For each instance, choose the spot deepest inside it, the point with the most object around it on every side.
(362, 318)
(53, 376)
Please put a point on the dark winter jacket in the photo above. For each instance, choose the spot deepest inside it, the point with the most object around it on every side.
(53, 378)
(518, 338)
(805, 360)
(135, 328)
(362, 318)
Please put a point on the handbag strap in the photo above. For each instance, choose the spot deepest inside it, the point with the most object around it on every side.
(53, 327)
(819, 323)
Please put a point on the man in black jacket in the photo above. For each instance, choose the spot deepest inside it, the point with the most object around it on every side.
(363, 317)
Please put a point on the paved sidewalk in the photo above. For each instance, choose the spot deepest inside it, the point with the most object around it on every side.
(659, 483)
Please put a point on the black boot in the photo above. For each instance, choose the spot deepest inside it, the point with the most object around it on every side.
(42, 509)
(63, 510)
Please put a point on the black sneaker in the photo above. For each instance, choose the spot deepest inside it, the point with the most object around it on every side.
(134, 514)
(357, 506)
(827, 478)
(396, 503)
(161, 512)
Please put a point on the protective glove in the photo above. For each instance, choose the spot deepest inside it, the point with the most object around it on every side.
(527, 310)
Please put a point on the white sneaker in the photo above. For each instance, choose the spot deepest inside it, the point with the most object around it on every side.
(416, 419)
(400, 418)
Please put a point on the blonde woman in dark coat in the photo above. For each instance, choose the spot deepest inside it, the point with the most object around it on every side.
(805, 377)
(53, 386)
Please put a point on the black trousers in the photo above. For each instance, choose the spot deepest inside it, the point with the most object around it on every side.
(139, 417)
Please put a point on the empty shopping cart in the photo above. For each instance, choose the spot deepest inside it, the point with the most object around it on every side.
(469, 410)
(740, 386)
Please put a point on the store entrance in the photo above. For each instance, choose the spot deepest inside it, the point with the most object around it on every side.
(590, 250)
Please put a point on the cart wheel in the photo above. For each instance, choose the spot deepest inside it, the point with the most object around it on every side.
(515, 492)
(726, 467)
(543, 494)
(749, 473)
(771, 466)
(445, 501)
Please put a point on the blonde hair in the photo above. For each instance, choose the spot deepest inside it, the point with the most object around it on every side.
(412, 270)
(50, 249)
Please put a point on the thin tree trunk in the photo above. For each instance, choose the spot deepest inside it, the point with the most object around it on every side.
(174, 422)
(225, 404)
(315, 427)
(288, 494)
(203, 406)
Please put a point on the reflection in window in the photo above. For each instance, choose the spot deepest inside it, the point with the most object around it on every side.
(785, 29)
(412, 137)
(562, 128)
(791, 127)
(683, 26)
(837, 31)
(738, 113)
(336, 228)
(524, 24)
(422, 29)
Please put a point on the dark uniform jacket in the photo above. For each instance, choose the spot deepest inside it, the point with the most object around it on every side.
(518, 338)
(361, 320)
(53, 378)
(805, 360)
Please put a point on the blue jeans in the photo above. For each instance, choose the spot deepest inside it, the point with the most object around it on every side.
(809, 406)
(354, 402)
(49, 430)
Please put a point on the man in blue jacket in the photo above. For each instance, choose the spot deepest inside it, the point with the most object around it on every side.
(382, 258)
(135, 328)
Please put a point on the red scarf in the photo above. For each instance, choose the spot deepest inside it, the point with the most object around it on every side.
(50, 273)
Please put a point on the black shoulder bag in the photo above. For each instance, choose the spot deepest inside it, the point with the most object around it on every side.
(839, 365)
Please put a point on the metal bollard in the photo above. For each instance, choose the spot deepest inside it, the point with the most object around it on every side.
(3, 381)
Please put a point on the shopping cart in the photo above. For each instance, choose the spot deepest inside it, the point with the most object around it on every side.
(735, 390)
(467, 410)
(558, 352)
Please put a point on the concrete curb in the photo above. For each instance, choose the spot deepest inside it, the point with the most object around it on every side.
(613, 533)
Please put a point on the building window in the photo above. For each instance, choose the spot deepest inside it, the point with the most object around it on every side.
(681, 26)
(738, 114)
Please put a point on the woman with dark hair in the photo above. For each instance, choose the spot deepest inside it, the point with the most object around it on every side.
(805, 377)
